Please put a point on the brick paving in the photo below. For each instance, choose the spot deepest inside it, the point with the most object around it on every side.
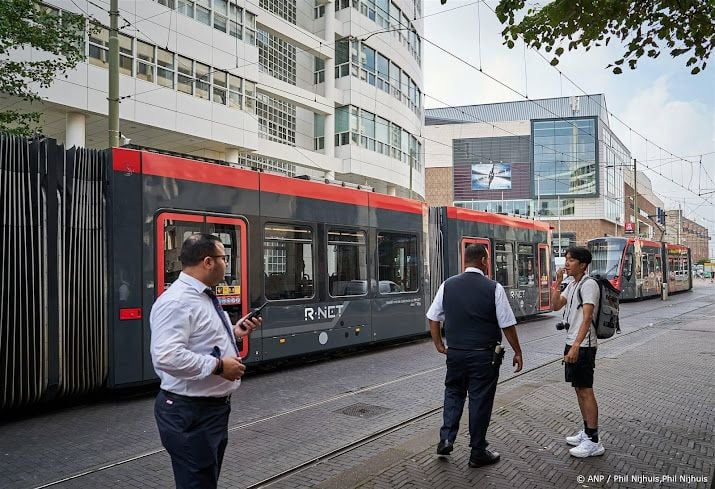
(656, 396)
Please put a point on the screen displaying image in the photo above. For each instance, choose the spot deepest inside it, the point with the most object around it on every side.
(491, 176)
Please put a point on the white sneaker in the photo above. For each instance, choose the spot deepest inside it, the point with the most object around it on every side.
(576, 440)
(587, 448)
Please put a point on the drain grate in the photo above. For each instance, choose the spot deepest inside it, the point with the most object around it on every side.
(362, 410)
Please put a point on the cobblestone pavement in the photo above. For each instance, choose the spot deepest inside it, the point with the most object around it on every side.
(656, 395)
(654, 386)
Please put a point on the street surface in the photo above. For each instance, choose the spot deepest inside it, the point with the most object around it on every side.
(350, 416)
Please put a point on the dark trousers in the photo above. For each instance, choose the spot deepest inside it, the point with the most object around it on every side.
(469, 372)
(195, 435)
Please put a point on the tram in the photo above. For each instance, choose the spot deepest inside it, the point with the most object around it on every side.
(338, 266)
(640, 267)
(100, 233)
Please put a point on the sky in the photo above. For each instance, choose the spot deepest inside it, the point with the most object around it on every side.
(660, 100)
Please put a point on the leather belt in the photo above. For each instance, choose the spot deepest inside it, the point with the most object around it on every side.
(196, 399)
(484, 348)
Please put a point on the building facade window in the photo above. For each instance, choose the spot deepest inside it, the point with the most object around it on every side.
(276, 57)
(154, 64)
(354, 58)
(388, 16)
(265, 163)
(318, 132)
(361, 127)
(223, 15)
(319, 71)
(319, 9)
(276, 119)
(283, 8)
(565, 156)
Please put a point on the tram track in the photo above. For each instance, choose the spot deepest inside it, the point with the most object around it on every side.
(330, 454)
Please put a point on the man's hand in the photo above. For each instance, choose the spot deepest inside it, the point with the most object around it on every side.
(560, 275)
(572, 355)
(518, 362)
(441, 348)
(244, 326)
(233, 369)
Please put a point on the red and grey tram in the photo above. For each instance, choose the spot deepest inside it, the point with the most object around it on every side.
(638, 267)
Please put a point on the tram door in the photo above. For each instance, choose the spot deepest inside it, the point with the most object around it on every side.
(544, 277)
(482, 241)
(173, 228)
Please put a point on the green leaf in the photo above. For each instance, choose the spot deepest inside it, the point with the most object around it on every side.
(559, 51)
(554, 61)
(617, 70)
(695, 71)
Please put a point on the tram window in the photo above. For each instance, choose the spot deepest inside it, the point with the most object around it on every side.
(644, 266)
(288, 262)
(175, 232)
(504, 259)
(347, 262)
(525, 264)
(230, 237)
(628, 264)
(397, 263)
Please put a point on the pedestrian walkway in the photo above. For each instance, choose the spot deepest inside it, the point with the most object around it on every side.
(656, 394)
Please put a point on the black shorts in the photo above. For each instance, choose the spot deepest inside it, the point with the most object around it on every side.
(580, 374)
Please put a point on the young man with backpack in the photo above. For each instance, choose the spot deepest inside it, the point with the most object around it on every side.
(581, 299)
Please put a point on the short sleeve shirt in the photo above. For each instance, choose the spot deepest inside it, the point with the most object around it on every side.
(590, 293)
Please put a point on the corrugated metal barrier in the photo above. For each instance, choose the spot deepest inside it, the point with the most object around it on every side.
(53, 271)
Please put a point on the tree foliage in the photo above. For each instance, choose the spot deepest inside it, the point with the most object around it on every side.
(644, 27)
(58, 42)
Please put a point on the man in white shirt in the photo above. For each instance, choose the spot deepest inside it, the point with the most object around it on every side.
(193, 348)
(581, 298)
(475, 311)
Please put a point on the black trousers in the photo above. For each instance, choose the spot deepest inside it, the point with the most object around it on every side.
(469, 372)
(195, 434)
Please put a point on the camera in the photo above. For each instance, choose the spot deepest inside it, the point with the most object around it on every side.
(562, 325)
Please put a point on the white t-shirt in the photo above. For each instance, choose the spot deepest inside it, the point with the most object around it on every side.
(590, 293)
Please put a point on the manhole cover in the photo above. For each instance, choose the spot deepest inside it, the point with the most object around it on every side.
(362, 410)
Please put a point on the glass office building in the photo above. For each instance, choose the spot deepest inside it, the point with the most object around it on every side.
(565, 163)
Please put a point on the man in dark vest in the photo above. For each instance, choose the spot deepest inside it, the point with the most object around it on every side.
(475, 311)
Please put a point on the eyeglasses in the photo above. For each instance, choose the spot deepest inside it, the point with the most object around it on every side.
(225, 257)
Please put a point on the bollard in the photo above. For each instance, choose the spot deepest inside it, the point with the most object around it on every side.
(665, 291)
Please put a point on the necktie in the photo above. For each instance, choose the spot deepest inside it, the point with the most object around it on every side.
(222, 315)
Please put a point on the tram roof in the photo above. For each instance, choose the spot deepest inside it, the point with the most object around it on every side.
(214, 172)
(498, 219)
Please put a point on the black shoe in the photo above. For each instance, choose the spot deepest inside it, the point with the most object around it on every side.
(445, 447)
(479, 458)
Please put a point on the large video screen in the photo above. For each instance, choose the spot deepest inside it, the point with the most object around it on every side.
(491, 176)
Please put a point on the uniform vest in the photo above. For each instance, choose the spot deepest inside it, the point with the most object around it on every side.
(470, 312)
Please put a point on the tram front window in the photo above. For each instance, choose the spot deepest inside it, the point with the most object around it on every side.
(606, 255)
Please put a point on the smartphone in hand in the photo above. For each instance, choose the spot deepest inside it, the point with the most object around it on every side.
(253, 314)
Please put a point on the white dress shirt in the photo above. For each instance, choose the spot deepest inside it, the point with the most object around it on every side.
(185, 327)
(505, 316)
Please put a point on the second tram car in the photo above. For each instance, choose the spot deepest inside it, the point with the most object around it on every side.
(520, 257)
(639, 267)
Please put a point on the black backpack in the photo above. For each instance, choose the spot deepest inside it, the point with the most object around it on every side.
(606, 320)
